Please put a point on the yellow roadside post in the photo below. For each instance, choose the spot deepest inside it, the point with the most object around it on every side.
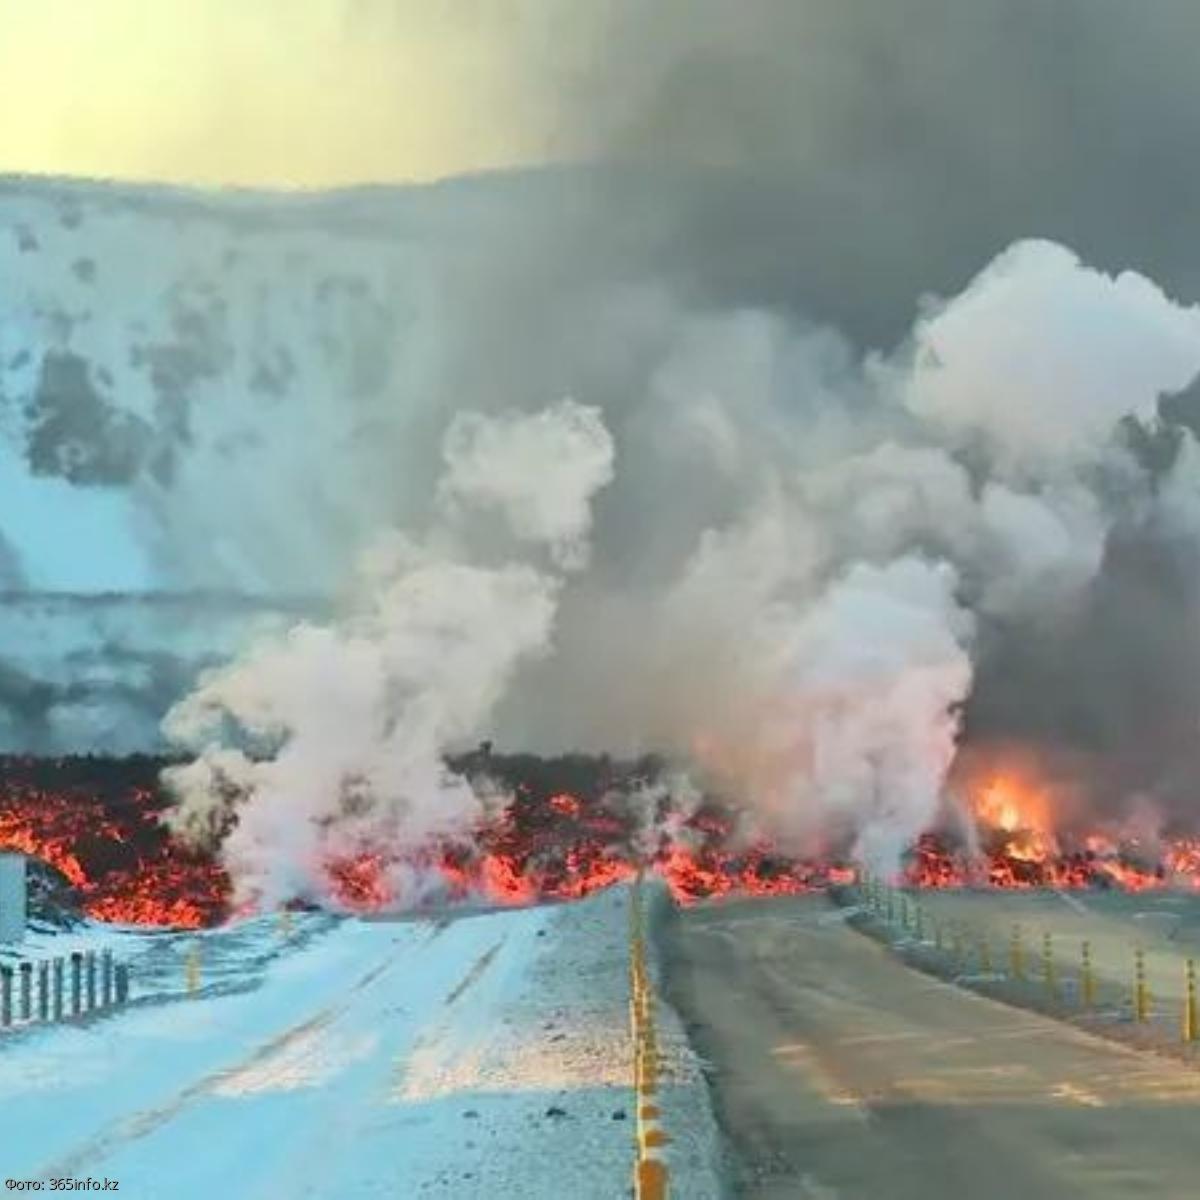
(985, 954)
(904, 913)
(1048, 974)
(1016, 955)
(919, 929)
(191, 971)
(650, 1173)
(1141, 993)
(1087, 979)
(285, 922)
(937, 933)
(1189, 1000)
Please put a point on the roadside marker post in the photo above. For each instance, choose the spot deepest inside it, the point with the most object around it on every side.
(650, 1175)
(1049, 976)
(1141, 993)
(985, 954)
(1189, 1000)
(1087, 978)
(1016, 955)
(191, 971)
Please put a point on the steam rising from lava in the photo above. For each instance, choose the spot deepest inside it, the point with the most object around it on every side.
(801, 573)
(327, 744)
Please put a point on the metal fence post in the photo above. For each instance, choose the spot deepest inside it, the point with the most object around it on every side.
(43, 990)
(76, 982)
(122, 981)
(6, 977)
(26, 1009)
(106, 978)
(56, 975)
(89, 962)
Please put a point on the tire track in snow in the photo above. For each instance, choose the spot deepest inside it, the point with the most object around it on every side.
(127, 1129)
(481, 964)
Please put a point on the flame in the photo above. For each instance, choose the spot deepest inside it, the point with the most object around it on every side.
(97, 823)
(1010, 804)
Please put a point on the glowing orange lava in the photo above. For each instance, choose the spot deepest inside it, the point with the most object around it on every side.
(97, 822)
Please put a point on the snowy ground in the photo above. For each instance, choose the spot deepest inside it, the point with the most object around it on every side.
(486, 1055)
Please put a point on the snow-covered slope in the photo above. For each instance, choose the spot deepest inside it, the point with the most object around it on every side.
(203, 404)
(486, 1056)
(148, 346)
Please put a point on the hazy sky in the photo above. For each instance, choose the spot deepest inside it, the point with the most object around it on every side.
(1069, 118)
(283, 92)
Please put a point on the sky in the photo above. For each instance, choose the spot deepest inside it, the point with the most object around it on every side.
(870, 152)
(291, 93)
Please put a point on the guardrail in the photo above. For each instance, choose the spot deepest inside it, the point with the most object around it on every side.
(651, 1173)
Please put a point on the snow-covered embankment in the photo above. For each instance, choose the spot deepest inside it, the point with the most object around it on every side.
(483, 1055)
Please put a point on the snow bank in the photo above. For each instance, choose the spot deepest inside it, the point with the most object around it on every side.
(477, 1056)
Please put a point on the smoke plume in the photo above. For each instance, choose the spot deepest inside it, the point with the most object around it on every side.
(329, 742)
(836, 546)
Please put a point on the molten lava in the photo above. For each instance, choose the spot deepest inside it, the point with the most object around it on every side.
(1026, 833)
(569, 830)
(96, 822)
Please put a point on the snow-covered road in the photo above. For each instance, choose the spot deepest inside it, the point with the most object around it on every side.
(482, 1056)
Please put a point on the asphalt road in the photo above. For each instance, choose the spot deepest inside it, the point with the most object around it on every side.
(839, 1073)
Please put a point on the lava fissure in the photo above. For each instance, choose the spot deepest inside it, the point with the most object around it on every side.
(569, 828)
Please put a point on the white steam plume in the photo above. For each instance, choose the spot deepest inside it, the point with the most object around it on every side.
(329, 741)
(791, 582)
(1040, 356)
(539, 473)
(814, 648)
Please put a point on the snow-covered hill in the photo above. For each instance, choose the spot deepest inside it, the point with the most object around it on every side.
(208, 403)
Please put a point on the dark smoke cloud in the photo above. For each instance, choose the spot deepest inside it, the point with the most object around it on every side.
(864, 154)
